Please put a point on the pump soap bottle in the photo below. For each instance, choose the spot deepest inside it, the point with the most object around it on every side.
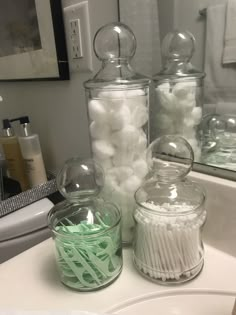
(13, 156)
(32, 154)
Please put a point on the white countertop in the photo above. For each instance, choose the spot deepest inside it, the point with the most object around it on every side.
(30, 281)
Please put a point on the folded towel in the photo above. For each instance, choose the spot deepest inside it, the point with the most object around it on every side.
(220, 81)
(229, 52)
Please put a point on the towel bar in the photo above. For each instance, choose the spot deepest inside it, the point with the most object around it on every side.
(203, 12)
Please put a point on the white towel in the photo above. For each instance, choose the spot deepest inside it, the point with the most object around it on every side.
(220, 81)
(229, 53)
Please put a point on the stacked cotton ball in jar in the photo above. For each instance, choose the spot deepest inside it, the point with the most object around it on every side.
(117, 118)
(179, 113)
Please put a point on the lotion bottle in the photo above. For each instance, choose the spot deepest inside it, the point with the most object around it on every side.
(32, 154)
(13, 156)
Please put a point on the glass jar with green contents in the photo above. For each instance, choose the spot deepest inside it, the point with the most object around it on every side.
(85, 228)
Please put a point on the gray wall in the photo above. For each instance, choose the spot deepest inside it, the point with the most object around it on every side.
(57, 109)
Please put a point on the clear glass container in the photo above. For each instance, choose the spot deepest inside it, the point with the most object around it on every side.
(118, 110)
(221, 131)
(86, 230)
(179, 92)
(169, 216)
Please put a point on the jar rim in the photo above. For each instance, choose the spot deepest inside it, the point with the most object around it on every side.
(83, 237)
(171, 213)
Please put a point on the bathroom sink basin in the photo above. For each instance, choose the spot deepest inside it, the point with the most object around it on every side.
(181, 302)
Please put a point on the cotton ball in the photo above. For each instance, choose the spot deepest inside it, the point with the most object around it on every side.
(164, 121)
(189, 122)
(102, 149)
(183, 89)
(128, 136)
(185, 105)
(164, 86)
(197, 115)
(113, 103)
(112, 98)
(120, 173)
(97, 111)
(167, 100)
(131, 184)
(106, 164)
(180, 90)
(136, 102)
(122, 158)
(118, 118)
(99, 131)
(139, 116)
(140, 168)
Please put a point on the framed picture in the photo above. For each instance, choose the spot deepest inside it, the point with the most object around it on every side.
(32, 40)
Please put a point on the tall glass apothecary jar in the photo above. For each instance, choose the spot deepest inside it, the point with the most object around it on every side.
(169, 216)
(118, 110)
(179, 92)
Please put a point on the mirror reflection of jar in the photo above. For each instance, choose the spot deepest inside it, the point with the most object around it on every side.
(219, 133)
(179, 92)
(118, 110)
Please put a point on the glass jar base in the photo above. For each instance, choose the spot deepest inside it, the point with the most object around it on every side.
(86, 289)
(170, 278)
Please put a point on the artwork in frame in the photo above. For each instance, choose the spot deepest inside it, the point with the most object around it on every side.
(32, 40)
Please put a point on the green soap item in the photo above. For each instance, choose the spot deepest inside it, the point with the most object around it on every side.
(88, 263)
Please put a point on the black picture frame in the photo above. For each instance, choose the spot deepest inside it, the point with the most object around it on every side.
(49, 61)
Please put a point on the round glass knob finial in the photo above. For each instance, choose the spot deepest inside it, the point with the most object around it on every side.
(114, 40)
(80, 180)
(178, 45)
(170, 157)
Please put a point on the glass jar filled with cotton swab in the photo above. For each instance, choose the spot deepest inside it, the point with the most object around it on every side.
(86, 230)
(118, 110)
(169, 216)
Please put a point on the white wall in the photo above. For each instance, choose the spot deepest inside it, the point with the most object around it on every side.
(57, 109)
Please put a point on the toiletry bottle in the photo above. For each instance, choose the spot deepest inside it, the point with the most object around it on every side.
(13, 156)
(32, 155)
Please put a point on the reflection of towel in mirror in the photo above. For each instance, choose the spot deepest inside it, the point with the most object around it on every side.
(220, 81)
(229, 52)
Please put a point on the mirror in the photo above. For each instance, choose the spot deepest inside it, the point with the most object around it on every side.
(211, 23)
(57, 109)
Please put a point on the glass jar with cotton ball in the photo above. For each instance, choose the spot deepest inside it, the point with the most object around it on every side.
(169, 216)
(179, 92)
(118, 110)
(86, 229)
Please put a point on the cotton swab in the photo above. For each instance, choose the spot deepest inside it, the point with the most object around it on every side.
(168, 251)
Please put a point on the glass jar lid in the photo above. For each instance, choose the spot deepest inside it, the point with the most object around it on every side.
(83, 213)
(177, 51)
(115, 45)
(167, 191)
(80, 180)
